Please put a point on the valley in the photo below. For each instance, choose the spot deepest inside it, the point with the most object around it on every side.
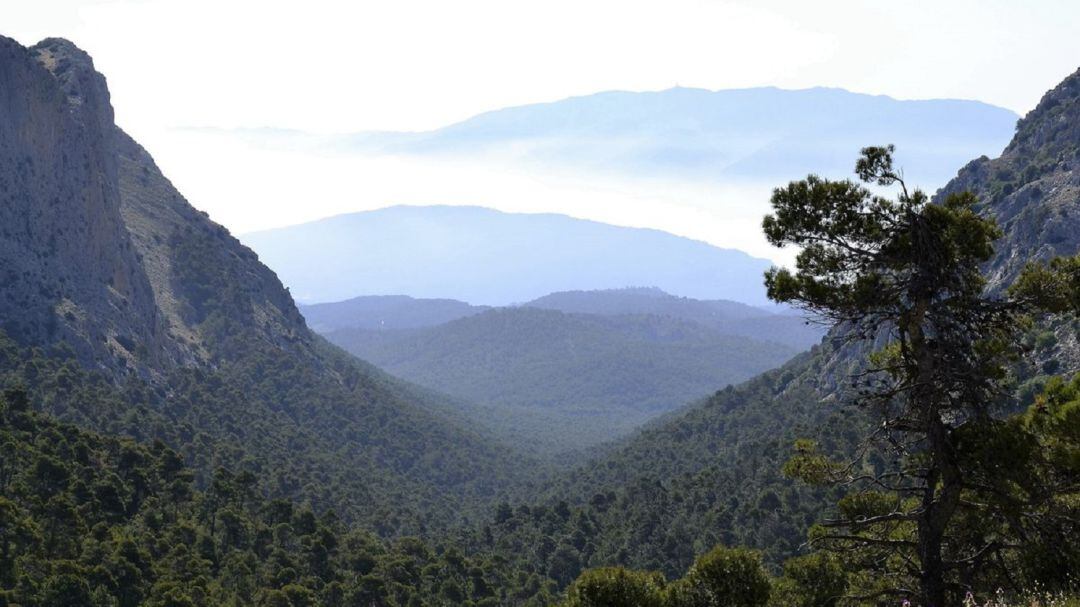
(570, 370)
(454, 405)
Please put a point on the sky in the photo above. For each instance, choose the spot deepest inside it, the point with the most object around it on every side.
(341, 66)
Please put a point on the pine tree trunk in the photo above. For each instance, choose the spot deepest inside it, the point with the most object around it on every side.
(940, 501)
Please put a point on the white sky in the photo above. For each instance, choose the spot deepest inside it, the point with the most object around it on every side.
(335, 66)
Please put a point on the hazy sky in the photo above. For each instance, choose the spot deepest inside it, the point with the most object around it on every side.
(400, 64)
(336, 66)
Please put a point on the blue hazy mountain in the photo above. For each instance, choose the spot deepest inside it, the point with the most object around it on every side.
(741, 134)
(482, 256)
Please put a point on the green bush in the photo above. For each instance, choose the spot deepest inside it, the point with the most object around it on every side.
(814, 580)
(616, 587)
(723, 577)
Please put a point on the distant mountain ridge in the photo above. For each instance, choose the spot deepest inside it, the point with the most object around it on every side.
(385, 312)
(756, 133)
(723, 316)
(488, 257)
(382, 312)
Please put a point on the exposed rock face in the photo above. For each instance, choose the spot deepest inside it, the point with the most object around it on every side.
(1033, 188)
(98, 249)
(69, 270)
(1033, 191)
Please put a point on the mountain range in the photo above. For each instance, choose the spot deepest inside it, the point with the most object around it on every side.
(487, 257)
(719, 152)
(762, 134)
(711, 473)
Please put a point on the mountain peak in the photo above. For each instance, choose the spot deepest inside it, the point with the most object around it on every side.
(87, 92)
(1031, 188)
(1054, 124)
(62, 48)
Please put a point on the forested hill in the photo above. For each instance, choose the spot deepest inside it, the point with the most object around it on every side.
(88, 519)
(724, 316)
(712, 472)
(202, 344)
(566, 381)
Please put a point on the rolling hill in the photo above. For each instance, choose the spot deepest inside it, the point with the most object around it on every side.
(385, 312)
(725, 317)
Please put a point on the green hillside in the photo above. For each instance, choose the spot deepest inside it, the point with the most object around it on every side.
(575, 379)
(726, 317)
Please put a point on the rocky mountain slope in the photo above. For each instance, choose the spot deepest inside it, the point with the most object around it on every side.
(201, 344)
(70, 269)
(1033, 188)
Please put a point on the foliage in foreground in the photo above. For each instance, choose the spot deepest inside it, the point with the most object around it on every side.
(94, 521)
(723, 576)
(959, 496)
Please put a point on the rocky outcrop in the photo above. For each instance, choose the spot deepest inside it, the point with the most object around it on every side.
(1033, 191)
(69, 270)
(98, 250)
(1033, 188)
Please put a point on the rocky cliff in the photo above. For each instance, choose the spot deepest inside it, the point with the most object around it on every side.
(1033, 188)
(98, 249)
(70, 271)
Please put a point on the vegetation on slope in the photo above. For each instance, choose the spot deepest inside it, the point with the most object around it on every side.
(346, 438)
(385, 312)
(723, 316)
(577, 379)
(88, 520)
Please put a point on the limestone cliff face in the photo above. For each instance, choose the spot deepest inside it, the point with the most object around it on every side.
(1033, 191)
(69, 270)
(1033, 188)
(98, 250)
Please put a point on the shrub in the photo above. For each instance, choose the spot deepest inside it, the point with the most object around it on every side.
(723, 577)
(616, 587)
